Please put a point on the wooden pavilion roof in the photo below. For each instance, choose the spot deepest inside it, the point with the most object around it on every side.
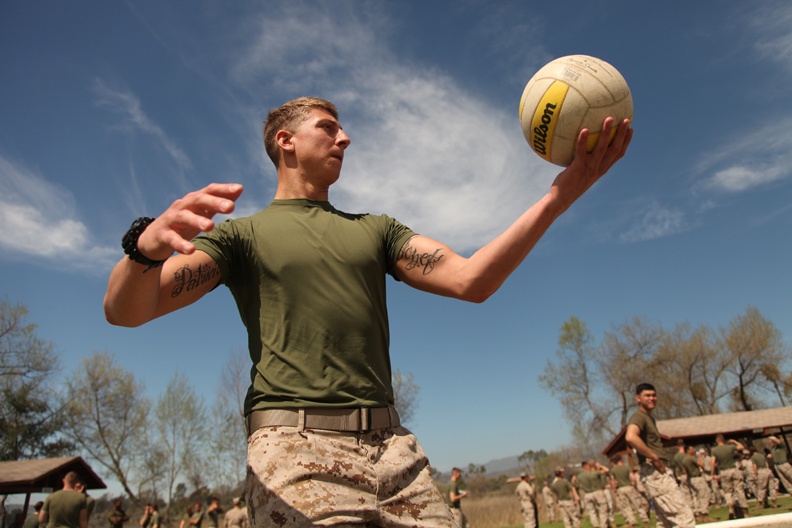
(35, 476)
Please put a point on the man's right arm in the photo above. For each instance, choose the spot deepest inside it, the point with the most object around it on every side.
(136, 295)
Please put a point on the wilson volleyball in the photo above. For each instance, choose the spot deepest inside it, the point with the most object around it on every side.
(567, 95)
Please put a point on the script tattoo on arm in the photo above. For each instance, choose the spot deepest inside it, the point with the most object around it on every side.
(187, 279)
(421, 261)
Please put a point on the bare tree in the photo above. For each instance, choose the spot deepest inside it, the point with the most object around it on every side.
(744, 365)
(29, 417)
(751, 342)
(405, 392)
(228, 434)
(180, 423)
(106, 416)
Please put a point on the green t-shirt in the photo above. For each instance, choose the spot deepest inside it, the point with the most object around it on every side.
(724, 454)
(309, 283)
(649, 434)
(759, 460)
(562, 488)
(622, 475)
(31, 521)
(690, 463)
(779, 455)
(63, 508)
(453, 486)
(591, 480)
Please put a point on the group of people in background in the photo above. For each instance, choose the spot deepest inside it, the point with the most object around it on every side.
(72, 507)
(679, 488)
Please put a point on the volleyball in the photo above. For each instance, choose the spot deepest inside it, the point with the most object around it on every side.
(567, 95)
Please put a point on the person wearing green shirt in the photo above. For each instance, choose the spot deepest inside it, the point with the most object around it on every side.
(699, 489)
(309, 282)
(592, 481)
(731, 478)
(31, 521)
(568, 499)
(67, 507)
(781, 462)
(658, 480)
(627, 497)
(455, 496)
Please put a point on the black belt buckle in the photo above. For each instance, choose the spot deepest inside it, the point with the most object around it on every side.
(365, 419)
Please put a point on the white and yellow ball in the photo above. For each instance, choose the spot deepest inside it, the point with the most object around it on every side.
(567, 95)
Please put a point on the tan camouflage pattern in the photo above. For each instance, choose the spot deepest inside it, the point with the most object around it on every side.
(570, 513)
(785, 474)
(236, 518)
(460, 520)
(766, 484)
(630, 504)
(699, 495)
(597, 508)
(550, 510)
(733, 488)
(299, 478)
(670, 506)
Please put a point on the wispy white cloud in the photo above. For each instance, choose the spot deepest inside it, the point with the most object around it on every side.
(446, 163)
(40, 220)
(757, 157)
(126, 104)
(655, 221)
(773, 26)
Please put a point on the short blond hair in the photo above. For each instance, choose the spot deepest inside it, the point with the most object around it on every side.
(289, 116)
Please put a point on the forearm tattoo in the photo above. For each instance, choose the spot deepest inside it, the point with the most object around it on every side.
(187, 279)
(425, 262)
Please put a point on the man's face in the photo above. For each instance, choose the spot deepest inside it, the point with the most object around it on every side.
(319, 144)
(647, 399)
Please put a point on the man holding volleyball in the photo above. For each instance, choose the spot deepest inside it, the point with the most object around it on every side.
(325, 443)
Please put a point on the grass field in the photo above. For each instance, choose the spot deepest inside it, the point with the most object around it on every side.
(503, 511)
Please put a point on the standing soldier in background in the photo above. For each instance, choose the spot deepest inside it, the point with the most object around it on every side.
(145, 519)
(236, 517)
(213, 513)
(764, 478)
(592, 480)
(550, 503)
(781, 462)
(643, 436)
(455, 496)
(627, 496)
(80, 486)
(67, 507)
(117, 516)
(699, 494)
(568, 499)
(527, 494)
(32, 520)
(731, 477)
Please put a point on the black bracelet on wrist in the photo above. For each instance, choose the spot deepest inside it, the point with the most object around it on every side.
(129, 243)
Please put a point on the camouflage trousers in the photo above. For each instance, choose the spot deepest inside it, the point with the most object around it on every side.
(766, 484)
(300, 478)
(733, 486)
(597, 508)
(630, 503)
(785, 474)
(529, 514)
(570, 513)
(699, 494)
(670, 505)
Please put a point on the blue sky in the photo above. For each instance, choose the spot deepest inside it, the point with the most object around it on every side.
(112, 110)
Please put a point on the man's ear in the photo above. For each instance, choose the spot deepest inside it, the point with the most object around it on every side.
(284, 140)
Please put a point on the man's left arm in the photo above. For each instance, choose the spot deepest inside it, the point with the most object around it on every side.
(431, 266)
